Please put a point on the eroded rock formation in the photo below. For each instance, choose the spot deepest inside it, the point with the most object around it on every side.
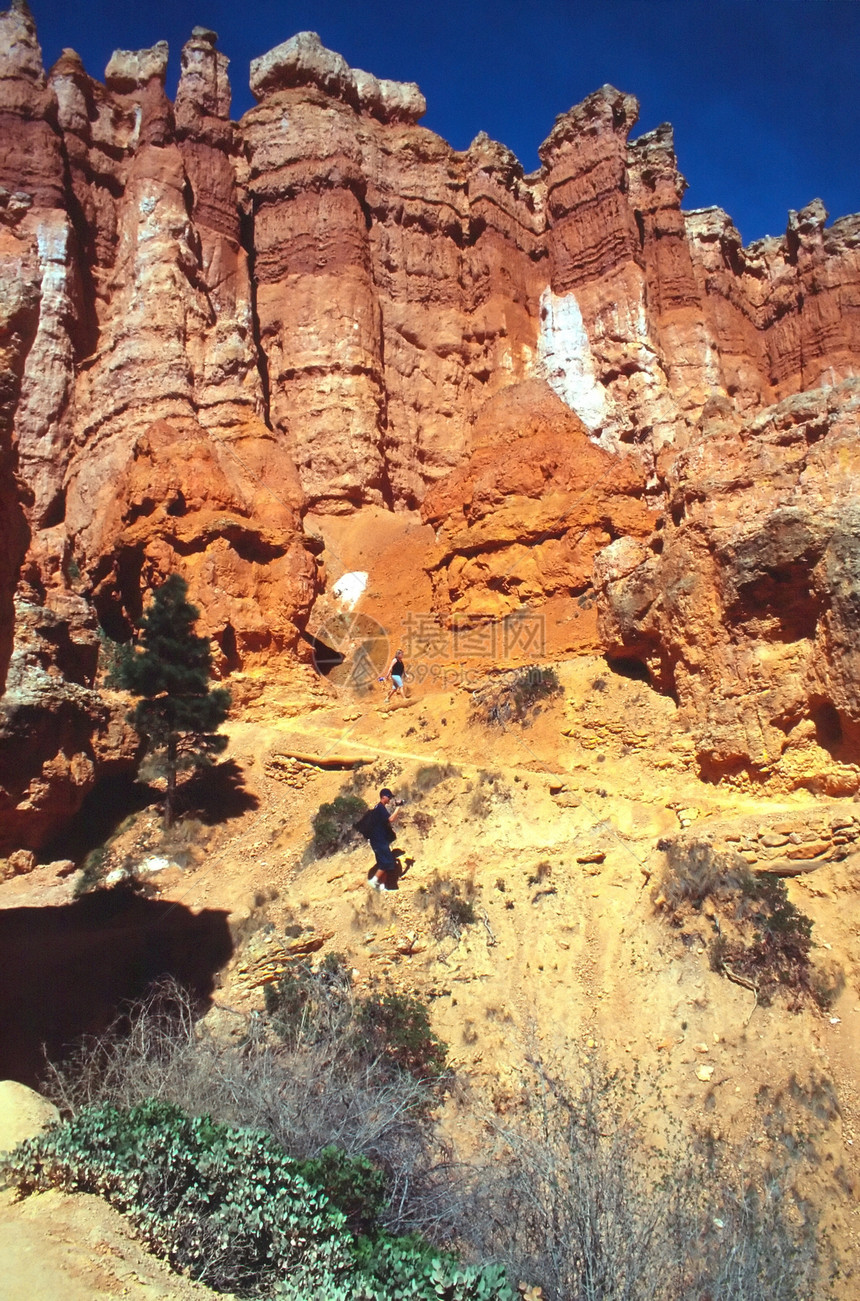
(525, 515)
(207, 327)
(745, 604)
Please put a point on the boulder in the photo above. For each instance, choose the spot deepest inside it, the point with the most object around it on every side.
(23, 1114)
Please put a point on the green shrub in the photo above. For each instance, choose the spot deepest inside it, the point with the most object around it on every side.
(94, 869)
(407, 1267)
(761, 936)
(389, 1029)
(334, 824)
(402, 1269)
(226, 1206)
(307, 1005)
(351, 1183)
(773, 944)
(397, 1026)
(229, 1207)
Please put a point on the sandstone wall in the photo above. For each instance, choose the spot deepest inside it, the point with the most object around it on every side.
(525, 515)
(743, 603)
(787, 844)
(207, 327)
(333, 278)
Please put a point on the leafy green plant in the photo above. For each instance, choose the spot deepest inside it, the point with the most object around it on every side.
(400, 1269)
(225, 1205)
(228, 1207)
(334, 824)
(352, 1183)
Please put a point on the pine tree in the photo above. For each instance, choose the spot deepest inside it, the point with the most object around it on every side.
(178, 712)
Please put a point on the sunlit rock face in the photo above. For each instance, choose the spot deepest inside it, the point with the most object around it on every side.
(207, 327)
(394, 276)
(132, 410)
(524, 516)
(745, 605)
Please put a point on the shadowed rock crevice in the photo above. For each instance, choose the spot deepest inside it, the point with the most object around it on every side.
(68, 971)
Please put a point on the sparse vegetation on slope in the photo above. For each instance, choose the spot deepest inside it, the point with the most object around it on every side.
(582, 1198)
(338, 1159)
(761, 936)
(515, 696)
(449, 903)
(389, 1031)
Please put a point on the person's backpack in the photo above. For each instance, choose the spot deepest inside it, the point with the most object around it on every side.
(364, 826)
(368, 823)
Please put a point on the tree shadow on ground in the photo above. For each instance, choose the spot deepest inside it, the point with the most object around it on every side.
(108, 805)
(215, 794)
(69, 971)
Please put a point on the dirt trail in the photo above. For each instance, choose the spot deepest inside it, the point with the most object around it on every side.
(58, 1247)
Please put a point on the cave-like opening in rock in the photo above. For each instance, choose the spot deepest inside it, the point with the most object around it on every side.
(70, 971)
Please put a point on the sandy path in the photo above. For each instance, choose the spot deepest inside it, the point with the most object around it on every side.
(57, 1247)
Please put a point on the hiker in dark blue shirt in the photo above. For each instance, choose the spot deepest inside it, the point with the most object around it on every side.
(383, 874)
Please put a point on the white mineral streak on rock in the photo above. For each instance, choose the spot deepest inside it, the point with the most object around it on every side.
(565, 359)
(349, 587)
(154, 864)
(41, 423)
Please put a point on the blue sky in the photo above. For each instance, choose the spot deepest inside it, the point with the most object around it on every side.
(763, 94)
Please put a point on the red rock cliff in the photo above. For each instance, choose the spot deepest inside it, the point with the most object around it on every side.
(208, 326)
